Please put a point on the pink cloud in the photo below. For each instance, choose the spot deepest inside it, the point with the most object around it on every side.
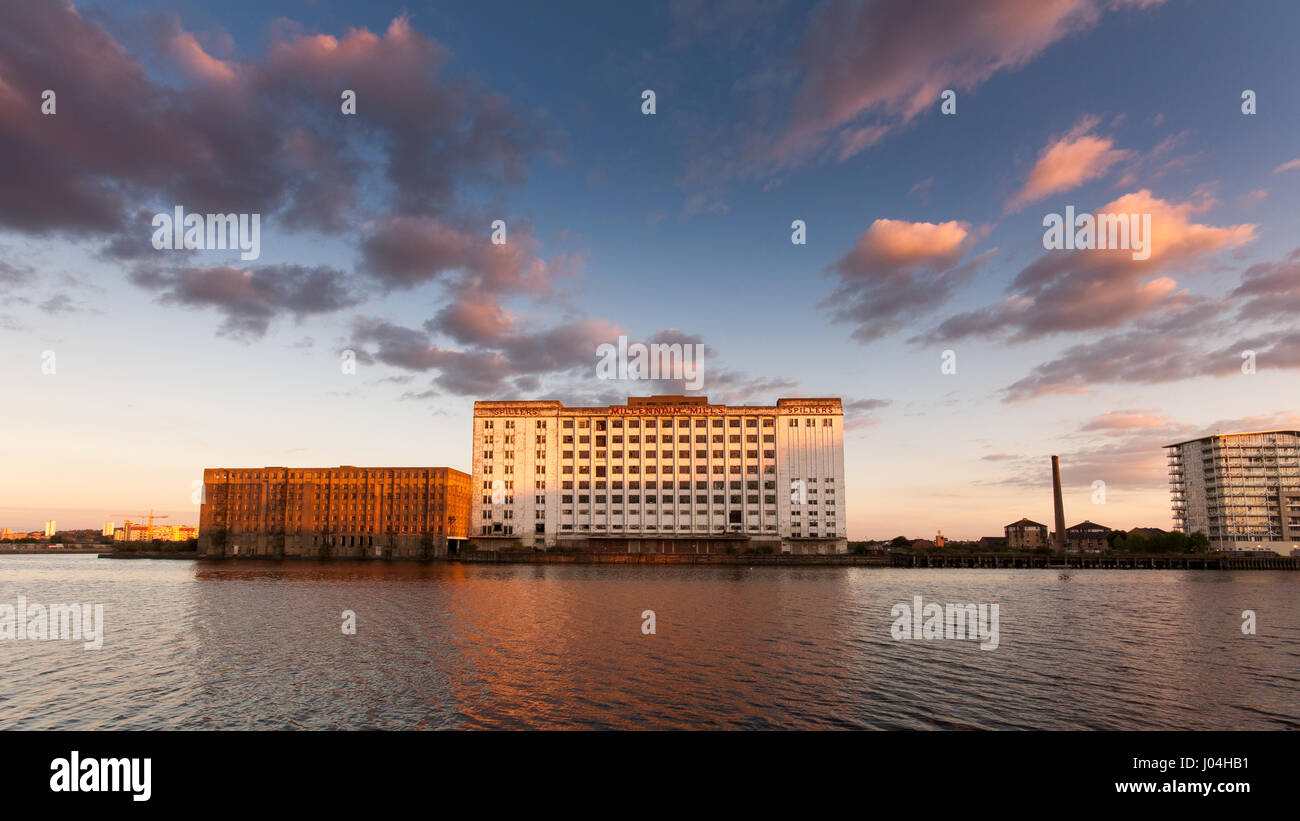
(899, 270)
(890, 60)
(1067, 162)
(1063, 291)
(1123, 420)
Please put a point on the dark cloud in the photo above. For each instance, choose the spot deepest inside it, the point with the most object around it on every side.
(1177, 348)
(1271, 290)
(251, 298)
(263, 136)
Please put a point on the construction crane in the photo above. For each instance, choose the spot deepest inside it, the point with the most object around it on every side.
(149, 527)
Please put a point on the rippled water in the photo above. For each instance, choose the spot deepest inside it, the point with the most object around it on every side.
(259, 645)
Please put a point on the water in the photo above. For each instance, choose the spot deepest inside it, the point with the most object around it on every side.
(192, 645)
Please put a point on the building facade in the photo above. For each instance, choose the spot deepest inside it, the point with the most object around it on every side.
(1087, 537)
(343, 512)
(1026, 535)
(1242, 490)
(670, 474)
(136, 532)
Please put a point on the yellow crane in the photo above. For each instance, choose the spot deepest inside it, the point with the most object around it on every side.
(150, 516)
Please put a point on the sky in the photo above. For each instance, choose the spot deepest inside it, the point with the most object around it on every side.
(966, 353)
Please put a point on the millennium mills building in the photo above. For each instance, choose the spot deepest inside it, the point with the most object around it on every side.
(670, 474)
(342, 512)
(1242, 490)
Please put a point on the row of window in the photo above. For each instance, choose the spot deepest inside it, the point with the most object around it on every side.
(651, 484)
(508, 530)
(616, 424)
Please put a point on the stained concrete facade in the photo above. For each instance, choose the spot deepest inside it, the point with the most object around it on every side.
(660, 474)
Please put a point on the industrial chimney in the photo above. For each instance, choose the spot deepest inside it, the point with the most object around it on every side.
(1060, 506)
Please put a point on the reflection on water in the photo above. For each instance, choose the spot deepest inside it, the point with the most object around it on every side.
(260, 645)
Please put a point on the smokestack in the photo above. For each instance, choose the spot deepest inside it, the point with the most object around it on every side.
(1060, 506)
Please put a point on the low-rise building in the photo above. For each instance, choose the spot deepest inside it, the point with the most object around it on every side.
(136, 532)
(1087, 537)
(1026, 535)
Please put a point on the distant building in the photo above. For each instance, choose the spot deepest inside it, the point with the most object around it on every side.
(1087, 537)
(108, 529)
(50, 529)
(6, 534)
(136, 532)
(333, 512)
(1026, 535)
(991, 542)
(938, 539)
(1242, 490)
(919, 544)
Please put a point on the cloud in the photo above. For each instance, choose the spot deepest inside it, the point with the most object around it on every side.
(1067, 162)
(1082, 290)
(1289, 165)
(12, 276)
(58, 304)
(1271, 290)
(1125, 420)
(263, 135)
(897, 271)
(868, 67)
(480, 370)
(403, 252)
(1156, 353)
(250, 299)
(860, 413)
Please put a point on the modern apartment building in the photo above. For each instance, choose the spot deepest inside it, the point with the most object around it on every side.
(671, 474)
(343, 512)
(1242, 490)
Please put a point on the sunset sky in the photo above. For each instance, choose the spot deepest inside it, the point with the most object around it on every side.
(924, 234)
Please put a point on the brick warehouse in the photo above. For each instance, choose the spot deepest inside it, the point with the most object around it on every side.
(670, 474)
(342, 512)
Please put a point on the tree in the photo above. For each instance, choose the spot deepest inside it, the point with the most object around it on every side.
(1198, 543)
(900, 541)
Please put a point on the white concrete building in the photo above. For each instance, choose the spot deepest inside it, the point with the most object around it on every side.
(670, 474)
(1242, 490)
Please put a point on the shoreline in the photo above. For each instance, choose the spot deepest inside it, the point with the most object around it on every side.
(37, 551)
(914, 561)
